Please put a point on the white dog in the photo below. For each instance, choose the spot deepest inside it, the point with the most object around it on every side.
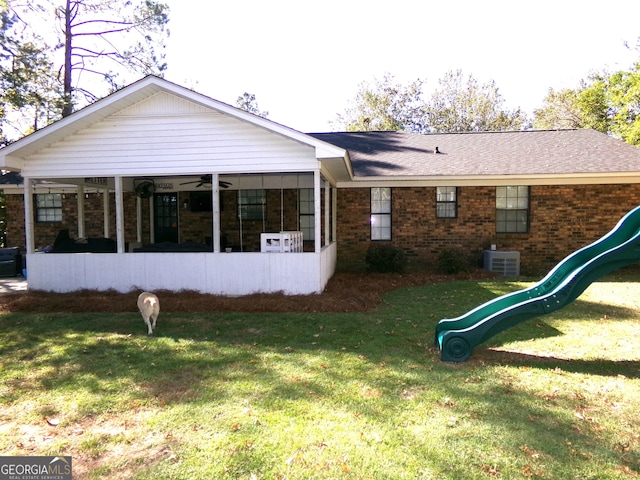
(149, 307)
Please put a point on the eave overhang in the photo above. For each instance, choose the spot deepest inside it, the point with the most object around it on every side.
(494, 180)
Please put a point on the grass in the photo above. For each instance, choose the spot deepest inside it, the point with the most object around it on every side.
(326, 396)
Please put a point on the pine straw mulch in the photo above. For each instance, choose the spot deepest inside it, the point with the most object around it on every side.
(345, 292)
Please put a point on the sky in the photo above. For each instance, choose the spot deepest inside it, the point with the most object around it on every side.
(304, 60)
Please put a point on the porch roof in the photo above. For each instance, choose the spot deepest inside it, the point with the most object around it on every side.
(16, 155)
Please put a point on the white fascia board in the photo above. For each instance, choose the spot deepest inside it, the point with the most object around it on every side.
(495, 180)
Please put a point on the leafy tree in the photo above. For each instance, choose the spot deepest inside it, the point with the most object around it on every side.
(462, 104)
(560, 110)
(606, 102)
(385, 105)
(27, 81)
(621, 97)
(99, 38)
(593, 104)
(248, 103)
(103, 36)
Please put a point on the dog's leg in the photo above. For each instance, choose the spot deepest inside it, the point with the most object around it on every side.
(150, 330)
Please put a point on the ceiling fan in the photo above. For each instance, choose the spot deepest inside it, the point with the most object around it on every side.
(206, 180)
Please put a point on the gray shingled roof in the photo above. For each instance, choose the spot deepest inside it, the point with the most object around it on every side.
(485, 153)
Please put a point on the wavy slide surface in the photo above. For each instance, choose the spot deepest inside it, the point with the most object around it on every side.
(456, 337)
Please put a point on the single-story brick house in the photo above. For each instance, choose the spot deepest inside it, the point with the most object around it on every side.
(159, 187)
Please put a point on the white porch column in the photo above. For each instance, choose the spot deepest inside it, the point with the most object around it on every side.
(119, 215)
(327, 210)
(334, 213)
(215, 202)
(152, 224)
(80, 202)
(138, 219)
(105, 209)
(317, 216)
(28, 215)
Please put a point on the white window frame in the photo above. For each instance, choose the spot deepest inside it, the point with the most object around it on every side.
(446, 202)
(512, 209)
(252, 205)
(48, 207)
(380, 213)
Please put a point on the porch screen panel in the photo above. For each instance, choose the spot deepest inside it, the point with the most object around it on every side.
(307, 224)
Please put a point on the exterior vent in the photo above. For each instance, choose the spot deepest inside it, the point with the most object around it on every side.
(506, 264)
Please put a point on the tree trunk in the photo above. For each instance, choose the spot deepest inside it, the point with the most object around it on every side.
(67, 109)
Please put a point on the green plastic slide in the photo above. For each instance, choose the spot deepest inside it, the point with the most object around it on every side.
(456, 337)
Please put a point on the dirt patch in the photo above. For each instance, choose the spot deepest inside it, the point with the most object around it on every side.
(345, 292)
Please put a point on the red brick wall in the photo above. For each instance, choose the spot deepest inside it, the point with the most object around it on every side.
(194, 226)
(45, 233)
(562, 219)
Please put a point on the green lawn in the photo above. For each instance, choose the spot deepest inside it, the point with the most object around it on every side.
(330, 396)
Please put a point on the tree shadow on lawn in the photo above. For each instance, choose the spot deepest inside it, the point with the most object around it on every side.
(234, 344)
(539, 327)
(601, 367)
(392, 332)
(197, 359)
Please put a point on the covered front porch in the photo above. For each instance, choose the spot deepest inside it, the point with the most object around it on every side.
(221, 245)
(179, 190)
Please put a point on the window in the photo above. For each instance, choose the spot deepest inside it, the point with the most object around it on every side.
(48, 207)
(512, 209)
(307, 218)
(251, 204)
(446, 202)
(381, 213)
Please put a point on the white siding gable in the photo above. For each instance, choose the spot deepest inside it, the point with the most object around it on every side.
(166, 134)
(164, 103)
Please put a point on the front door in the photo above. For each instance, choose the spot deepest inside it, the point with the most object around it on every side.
(166, 217)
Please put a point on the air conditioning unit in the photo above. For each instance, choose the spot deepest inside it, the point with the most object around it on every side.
(506, 264)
